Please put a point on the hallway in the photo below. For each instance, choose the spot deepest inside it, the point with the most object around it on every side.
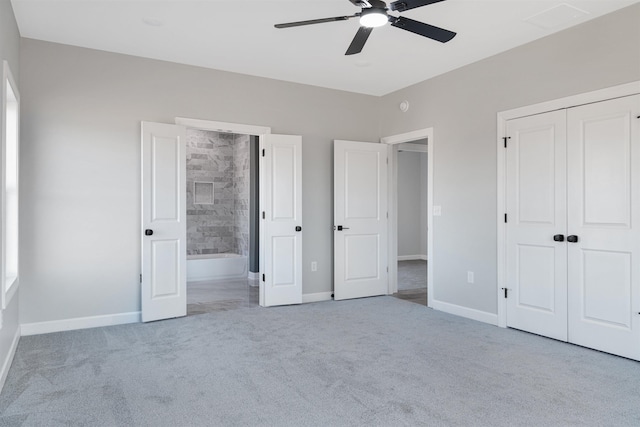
(412, 281)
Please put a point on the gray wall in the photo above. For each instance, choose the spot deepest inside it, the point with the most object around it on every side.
(9, 47)
(410, 196)
(82, 108)
(462, 106)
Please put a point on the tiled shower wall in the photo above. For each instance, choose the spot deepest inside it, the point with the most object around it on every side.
(219, 158)
(241, 174)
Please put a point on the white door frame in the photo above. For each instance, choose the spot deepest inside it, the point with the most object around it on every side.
(503, 116)
(393, 206)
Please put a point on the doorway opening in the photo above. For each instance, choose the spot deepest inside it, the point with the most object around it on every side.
(411, 204)
(411, 255)
(222, 221)
(163, 275)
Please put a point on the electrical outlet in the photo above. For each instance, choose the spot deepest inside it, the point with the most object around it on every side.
(437, 210)
(470, 277)
(314, 266)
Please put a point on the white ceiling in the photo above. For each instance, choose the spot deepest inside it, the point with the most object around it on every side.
(239, 36)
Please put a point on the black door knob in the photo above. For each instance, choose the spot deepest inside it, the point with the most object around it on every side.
(558, 238)
(148, 232)
(573, 238)
(340, 228)
(298, 228)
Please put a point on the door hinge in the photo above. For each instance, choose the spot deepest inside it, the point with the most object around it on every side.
(387, 269)
(387, 215)
(387, 160)
(263, 152)
(263, 277)
(505, 138)
(263, 215)
(141, 278)
(505, 218)
(506, 292)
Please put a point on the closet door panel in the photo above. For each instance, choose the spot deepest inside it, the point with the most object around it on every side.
(604, 213)
(536, 208)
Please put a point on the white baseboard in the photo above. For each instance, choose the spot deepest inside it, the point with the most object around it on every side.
(254, 276)
(469, 313)
(320, 296)
(412, 257)
(37, 328)
(6, 363)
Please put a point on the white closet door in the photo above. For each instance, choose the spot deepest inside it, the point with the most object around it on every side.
(604, 215)
(536, 208)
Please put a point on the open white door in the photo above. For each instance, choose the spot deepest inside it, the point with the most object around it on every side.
(281, 226)
(164, 229)
(360, 219)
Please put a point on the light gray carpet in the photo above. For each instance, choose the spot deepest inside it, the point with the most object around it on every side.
(376, 361)
(412, 275)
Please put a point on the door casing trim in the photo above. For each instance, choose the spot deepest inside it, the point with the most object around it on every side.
(225, 127)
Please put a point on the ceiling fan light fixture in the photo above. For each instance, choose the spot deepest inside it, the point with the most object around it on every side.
(373, 17)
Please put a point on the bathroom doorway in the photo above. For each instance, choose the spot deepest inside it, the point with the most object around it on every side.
(222, 221)
(164, 245)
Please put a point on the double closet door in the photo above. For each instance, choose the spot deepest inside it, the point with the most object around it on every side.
(573, 225)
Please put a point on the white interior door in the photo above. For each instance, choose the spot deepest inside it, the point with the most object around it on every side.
(360, 219)
(281, 228)
(536, 212)
(164, 228)
(604, 215)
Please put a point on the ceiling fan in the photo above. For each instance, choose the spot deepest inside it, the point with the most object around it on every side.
(374, 14)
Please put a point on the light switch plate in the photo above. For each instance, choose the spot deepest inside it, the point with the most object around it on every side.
(437, 210)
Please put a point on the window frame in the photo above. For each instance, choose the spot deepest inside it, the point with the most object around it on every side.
(9, 285)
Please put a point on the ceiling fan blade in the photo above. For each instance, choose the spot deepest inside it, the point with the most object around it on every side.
(359, 40)
(360, 3)
(402, 5)
(315, 21)
(422, 29)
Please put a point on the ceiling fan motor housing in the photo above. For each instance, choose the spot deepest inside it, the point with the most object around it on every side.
(377, 4)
